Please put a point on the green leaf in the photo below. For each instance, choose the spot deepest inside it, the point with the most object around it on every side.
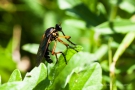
(34, 77)
(15, 76)
(64, 4)
(88, 79)
(61, 63)
(77, 63)
(57, 74)
(7, 65)
(125, 5)
(30, 81)
(11, 86)
(118, 26)
(63, 72)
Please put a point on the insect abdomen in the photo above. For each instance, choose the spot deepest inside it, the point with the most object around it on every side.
(47, 57)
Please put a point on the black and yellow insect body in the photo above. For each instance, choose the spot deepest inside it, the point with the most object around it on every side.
(51, 34)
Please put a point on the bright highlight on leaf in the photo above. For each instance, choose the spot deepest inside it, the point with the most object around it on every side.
(15, 76)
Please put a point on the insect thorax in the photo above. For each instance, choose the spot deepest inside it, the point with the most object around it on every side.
(55, 35)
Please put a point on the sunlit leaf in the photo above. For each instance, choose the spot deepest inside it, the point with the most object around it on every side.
(15, 76)
(61, 63)
(34, 77)
(11, 86)
(30, 81)
(88, 79)
(125, 5)
(64, 4)
(63, 71)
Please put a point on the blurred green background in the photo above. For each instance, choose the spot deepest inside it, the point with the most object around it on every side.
(105, 29)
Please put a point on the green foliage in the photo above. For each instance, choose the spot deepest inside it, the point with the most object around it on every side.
(15, 76)
(7, 65)
(104, 28)
(80, 73)
(29, 82)
(118, 26)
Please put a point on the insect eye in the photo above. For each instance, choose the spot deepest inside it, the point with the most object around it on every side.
(58, 27)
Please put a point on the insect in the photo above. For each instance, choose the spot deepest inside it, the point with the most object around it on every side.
(51, 34)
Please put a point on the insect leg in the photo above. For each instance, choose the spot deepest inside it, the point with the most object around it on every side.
(62, 42)
(63, 56)
(68, 38)
(55, 53)
(67, 45)
(56, 58)
(54, 47)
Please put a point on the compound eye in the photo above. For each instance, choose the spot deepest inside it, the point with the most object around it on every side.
(58, 27)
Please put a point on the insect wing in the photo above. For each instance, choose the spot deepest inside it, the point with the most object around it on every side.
(42, 48)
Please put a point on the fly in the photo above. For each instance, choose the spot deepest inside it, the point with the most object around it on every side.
(51, 34)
